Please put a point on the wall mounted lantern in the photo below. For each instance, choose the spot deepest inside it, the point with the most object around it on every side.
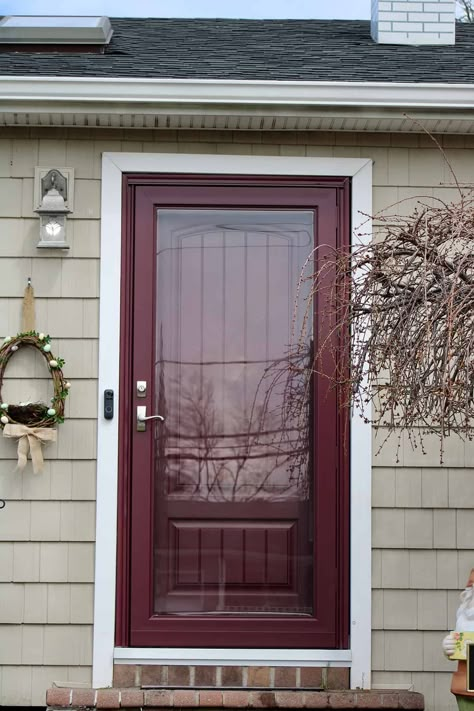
(52, 195)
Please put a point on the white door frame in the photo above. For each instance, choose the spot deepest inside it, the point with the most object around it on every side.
(358, 657)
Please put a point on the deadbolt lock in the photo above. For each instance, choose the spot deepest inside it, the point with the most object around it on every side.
(141, 388)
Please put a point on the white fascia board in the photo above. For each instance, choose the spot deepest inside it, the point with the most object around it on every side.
(73, 90)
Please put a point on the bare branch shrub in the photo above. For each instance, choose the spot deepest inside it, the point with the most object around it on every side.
(402, 314)
(467, 10)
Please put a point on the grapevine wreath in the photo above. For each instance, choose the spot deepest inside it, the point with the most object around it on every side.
(34, 414)
(32, 423)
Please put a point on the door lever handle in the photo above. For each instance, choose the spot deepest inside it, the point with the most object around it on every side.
(142, 418)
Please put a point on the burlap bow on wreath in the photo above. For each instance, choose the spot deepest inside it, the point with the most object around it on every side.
(30, 439)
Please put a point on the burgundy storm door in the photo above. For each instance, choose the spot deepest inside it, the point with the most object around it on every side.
(233, 510)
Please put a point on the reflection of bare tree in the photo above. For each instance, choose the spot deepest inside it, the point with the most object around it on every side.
(258, 451)
(237, 416)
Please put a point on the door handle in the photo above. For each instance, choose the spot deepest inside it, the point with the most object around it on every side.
(142, 418)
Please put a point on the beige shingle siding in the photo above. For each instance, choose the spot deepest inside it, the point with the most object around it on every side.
(423, 518)
(47, 531)
(423, 512)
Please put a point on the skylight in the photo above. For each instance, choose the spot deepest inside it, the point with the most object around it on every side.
(40, 29)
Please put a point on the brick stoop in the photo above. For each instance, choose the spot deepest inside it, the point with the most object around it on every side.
(75, 699)
(179, 676)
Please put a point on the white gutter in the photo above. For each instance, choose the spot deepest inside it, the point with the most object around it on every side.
(54, 91)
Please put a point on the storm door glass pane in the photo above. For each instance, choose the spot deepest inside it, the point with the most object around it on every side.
(232, 461)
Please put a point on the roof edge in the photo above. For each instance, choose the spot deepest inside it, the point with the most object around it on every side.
(52, 91)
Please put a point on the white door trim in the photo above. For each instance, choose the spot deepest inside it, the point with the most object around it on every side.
(113, 166)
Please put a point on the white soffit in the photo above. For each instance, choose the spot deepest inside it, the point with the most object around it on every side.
(241, 122)
(235, 105)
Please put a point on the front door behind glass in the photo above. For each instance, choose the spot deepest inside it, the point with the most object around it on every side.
(237, 496)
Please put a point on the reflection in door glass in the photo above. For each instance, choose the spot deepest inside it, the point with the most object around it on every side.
(232, 460)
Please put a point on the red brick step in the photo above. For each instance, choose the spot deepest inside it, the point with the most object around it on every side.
(69, 699)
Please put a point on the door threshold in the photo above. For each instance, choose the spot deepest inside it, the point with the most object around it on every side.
(203, 656)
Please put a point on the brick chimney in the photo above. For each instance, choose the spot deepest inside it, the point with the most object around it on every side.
(413, 21)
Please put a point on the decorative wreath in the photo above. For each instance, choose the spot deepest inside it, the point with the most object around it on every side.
(34, 414)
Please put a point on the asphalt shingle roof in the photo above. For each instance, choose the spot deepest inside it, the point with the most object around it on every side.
(285, 50)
